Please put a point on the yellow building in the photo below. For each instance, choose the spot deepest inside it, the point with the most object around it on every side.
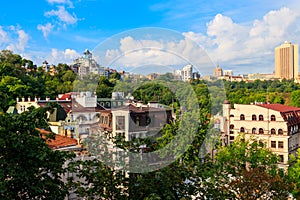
(276, 125)
(286, 61)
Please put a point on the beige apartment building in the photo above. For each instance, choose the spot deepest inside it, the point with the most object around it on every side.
(276, 125)
(286, 61)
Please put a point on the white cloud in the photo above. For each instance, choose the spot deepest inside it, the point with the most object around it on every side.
(138, 53)
(237, 46)
(67, 2)
(17, 45)
(46, 29)
(3, 36)
(63, 15)
(62, 56)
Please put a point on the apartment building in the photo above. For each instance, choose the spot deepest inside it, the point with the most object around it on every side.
(276, 125)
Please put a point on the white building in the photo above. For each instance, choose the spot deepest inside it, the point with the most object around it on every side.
(186, 73)
(86, 64)
(276, 125)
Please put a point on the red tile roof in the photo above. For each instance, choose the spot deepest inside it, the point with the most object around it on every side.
(59, 142)
(279, 107)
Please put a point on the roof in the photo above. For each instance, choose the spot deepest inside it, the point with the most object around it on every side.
(59, 141)
(12, 110)
(135, 109)
(279, 107)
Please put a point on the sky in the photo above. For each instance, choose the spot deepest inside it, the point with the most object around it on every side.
(236, 35)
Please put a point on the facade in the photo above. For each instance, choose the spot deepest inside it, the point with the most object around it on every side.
(185, 74)
(218, 72)
(134, 120)
(86, 65)
(276, 125)
(286, 61)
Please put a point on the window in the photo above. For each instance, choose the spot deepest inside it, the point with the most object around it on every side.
(280, 131)
(273, 132)
(254, 118)
(273, 118)
(261, 131)
(254, 131)
(280, 144)
(242, 117)
(231, 116)
(242, 129)
(273, 144)
(120, 122)
(231, 132)
(231, 138)
(281, 158)
(261, 118)
(231, 126)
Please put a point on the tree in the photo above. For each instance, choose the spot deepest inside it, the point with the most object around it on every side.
(294, 174)
(29, 169)
(244, 170)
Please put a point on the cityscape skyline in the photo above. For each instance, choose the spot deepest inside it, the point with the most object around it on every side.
(239, 36)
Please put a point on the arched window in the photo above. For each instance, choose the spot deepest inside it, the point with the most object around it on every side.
(231, 126)
(280, 131)
(273, 118)
(231, 116)
(254, 131)
(242, 117)
(261, 118)
(254, 118)
(273, 132)
(242, 129)
(261, 131)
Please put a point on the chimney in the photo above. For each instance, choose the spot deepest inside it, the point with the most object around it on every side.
(17, 99)
(35, 99)
(47, 98)
(23, 99)
(29, 99)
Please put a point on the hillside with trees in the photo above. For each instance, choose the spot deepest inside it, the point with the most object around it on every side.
(242, 170)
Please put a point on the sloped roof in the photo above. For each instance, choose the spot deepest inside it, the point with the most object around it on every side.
(279, 107)
(59, 142)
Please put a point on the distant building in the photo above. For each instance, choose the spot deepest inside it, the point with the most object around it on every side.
(286, 61)
(227, 73)
(218, 72)
(86, 65)
(276, 125)
(153, 76)
(185, 74)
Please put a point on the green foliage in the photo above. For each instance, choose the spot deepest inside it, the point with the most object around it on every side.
(28, 168)
(294, 174)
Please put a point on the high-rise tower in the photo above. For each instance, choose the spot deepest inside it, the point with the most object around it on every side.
(286, 61)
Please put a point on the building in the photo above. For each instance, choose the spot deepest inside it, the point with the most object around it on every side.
(86, 64)
(218, 72)
(276, 125)
(227, 73)
(185, 74)
(286, 61)
(134, 120)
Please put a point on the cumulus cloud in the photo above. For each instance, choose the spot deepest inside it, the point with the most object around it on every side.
(137, 53)
(237, 46)
(18, 40)
(234, 45)
(3, 36)
(63, 15)
(62, 56)
(46, 29)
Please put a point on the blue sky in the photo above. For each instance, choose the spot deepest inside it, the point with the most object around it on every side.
(237, 35)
